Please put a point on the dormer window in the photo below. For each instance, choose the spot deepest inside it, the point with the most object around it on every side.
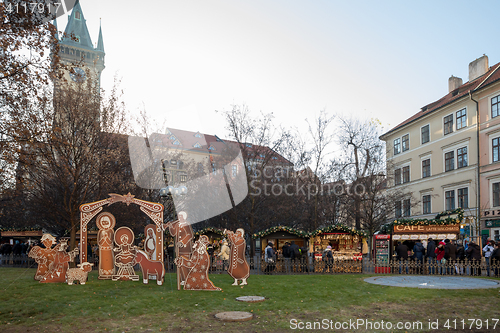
(197, 135)
(77, 15)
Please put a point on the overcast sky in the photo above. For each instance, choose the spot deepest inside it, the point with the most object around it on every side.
(184, 59)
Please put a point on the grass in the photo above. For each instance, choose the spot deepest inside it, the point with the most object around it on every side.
(29, 306)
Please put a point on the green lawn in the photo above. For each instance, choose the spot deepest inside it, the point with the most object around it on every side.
(26, 305)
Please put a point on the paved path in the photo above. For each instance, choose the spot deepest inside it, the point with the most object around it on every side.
(434, 282)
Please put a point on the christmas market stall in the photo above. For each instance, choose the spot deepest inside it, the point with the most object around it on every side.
(279, 236)
(337, 248)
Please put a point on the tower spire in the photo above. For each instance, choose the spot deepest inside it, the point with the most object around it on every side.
(100, 43)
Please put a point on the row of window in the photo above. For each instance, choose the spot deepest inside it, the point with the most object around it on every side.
(403, 209)
(460, 118)
(449, 159)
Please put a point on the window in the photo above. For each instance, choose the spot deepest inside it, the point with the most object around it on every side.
(463, 197)
(397, 146)
(495, 106)
(173, 162)
(461, 119)
(448, 124)
(461, 158)
(406, 142)
(406, 208)
(183, 178)
(180, 165)
(426, 168)
(198, 135)
(234, 170)
(449, 161)
(496, 194)
(200, 168)
(397, 209)
(425, 134)
(406, 174)
(77, 15)
(397, 176)
(496, 149)
(426, 199)
(450, 200)
(197, 145)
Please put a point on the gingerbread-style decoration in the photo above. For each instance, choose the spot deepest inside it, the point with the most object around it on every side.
(43, 256)
(183, 234)
(150, 268)
(79, 274)
(106, 222)
(151, 209)
(238, 266)
(125, 255)
(150, 241)
(58, 267)
(197, 265)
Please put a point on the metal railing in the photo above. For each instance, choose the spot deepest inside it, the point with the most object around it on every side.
(307, 265)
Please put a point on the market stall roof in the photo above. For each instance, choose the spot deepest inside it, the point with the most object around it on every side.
(339, 227)
(453, 217)
(293, 231)
(206, 230)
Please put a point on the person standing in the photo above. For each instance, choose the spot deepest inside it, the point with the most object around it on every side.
(402, 256)
(439, 251)
(474, 255)
(450, 254)
(287, 257)
(269, 258)
(224, 254)
(419, 251)
(495, 259)
(431, 256)
(488, 250)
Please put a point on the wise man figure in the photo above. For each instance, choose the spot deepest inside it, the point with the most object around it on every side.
(238, 266)
(43, 256)
(183, 233)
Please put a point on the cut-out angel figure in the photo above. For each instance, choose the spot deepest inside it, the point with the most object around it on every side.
(238, 266)
(57, 268)
(43, 256)
(106, 222)
(197, 265)
(125, 255)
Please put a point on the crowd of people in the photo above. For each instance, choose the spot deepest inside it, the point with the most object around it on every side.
(449, 258)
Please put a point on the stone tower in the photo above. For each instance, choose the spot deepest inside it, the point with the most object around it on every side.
(77, 51)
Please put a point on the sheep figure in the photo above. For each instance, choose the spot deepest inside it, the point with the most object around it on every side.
(79, 273)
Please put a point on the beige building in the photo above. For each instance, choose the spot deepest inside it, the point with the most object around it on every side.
(433, 155)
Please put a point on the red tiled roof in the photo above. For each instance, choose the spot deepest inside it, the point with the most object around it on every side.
(491, 76)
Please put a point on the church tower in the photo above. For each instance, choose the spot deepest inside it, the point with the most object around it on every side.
(77, 51)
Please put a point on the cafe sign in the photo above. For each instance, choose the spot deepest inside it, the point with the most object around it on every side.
(36, 233)
(426, 229)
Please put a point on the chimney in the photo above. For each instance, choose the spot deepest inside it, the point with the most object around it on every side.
(478, 67)
(454, 83)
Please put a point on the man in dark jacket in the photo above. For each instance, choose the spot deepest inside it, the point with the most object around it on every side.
(402, 255)
(431, 256)
(418, 252)
(450, 253)
(473, 253)
(287, 257)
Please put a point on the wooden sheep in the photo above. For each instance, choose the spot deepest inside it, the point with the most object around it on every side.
(79, 273)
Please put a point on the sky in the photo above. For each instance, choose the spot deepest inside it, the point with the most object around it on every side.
(182, 60)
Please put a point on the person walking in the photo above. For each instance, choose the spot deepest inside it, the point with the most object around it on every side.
(431, 256)
(487, 251)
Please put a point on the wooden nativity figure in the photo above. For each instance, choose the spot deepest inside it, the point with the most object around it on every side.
(106, 223)
(125, 255)
(238, 266)
(58, 267)
(150, 241)
(183, 233)
(197, 266)
(43, 256)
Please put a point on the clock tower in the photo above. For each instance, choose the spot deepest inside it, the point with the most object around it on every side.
(77, 53)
